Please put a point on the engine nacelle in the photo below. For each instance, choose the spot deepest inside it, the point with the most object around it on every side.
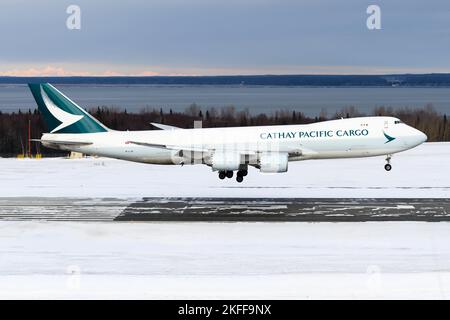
(226, 161)
(273, 162)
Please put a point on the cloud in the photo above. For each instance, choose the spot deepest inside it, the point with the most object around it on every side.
(43, 72)
(148, 73)
(87, 70)
(233, 34)
(50, 71)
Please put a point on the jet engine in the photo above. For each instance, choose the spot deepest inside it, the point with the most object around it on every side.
(273, 162)
(226, 161)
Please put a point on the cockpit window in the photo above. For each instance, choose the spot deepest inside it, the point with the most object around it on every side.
(398, 121)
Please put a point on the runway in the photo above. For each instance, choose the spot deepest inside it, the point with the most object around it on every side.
(210, 248)
(224, 209)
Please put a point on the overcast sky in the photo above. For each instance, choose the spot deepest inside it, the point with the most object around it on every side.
(137, 37)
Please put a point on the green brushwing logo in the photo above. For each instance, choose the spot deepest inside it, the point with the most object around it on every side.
(388, 137)
(61, 114)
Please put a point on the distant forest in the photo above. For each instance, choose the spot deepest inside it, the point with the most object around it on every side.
(408, 80)
(14, 126)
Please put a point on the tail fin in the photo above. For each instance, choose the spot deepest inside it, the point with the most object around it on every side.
(61, 114)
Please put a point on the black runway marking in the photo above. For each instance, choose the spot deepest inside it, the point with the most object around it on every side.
(311, 210)
(224, 209)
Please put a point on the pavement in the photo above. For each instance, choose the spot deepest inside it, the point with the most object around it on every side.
(225, 209)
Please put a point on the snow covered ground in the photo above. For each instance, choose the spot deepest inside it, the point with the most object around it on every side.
(421, 172)
(41, 259)
(224, 260)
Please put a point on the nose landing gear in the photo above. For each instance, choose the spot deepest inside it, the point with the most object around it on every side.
(388, 166)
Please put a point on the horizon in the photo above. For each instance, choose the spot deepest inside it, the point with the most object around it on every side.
(232, 75)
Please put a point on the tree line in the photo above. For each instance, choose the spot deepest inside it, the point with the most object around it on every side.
(14, 126)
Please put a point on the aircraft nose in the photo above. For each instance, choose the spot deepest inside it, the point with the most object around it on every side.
(423, 137)
(418, 137)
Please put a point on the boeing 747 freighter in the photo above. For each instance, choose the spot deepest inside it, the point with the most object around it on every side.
(225, 150)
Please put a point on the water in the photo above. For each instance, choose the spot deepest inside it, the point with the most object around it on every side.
(257, 99)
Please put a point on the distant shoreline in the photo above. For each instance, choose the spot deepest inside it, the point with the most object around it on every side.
(105, 85)
(388, 80)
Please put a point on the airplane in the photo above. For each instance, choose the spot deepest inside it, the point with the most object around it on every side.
(225, 150)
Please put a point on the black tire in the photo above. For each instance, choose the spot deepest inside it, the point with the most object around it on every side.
(239, 178)
(242, 173)
(222, 175)
(387, 167)
(230, 174)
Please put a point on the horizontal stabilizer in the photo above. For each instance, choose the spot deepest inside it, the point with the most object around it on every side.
(67, 143)
(164, 126)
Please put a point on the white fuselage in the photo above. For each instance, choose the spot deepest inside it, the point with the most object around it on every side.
(344, 138)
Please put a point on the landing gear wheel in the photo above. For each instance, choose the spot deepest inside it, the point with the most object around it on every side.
(230, 174)
(222, 175)
(242, 173)
(388, 166)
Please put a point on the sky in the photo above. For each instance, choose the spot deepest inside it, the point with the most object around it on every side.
(223, 37)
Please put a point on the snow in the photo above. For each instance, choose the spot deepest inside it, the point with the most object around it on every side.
(224, 260)
(421, 172)
(93, 260)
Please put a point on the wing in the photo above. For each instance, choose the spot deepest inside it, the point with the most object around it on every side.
(164, 126)
(163, 146)
(292, 152)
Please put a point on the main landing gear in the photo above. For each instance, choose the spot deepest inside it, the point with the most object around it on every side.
(229, 174)
(388, 166)
(225, 174)
(240, 175)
